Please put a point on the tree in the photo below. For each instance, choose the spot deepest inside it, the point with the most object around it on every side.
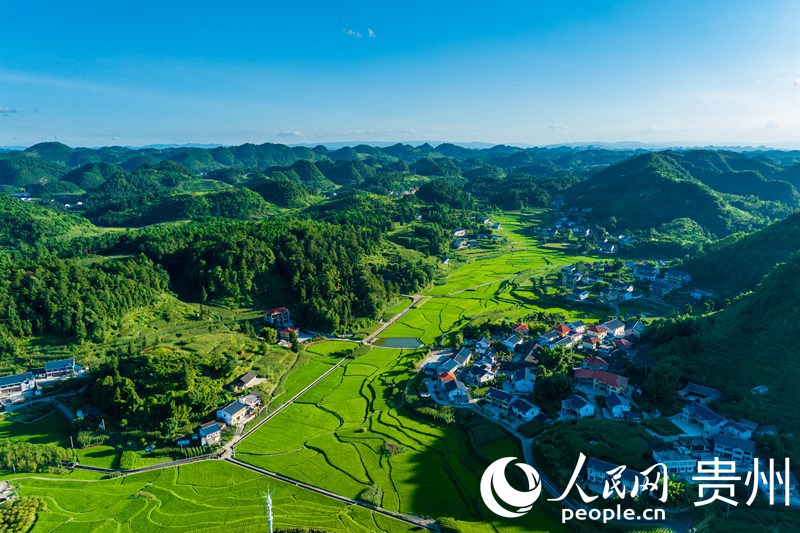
(269, 334)
(662, 382)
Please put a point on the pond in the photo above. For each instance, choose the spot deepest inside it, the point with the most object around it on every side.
(399, 342)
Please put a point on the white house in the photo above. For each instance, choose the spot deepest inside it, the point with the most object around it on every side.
(618, 405)
(279, 317)
(17, 386)
(482, 346)
(524, 409)
(456, 391)
(233, 414)
(210, 434)
(512, 342)
(524, 380)
(575, 405)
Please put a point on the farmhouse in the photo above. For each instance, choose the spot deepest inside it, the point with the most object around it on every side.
(733, 449)
(463, 357)
(645, 272)
(598, 472)
(595, 363)
(524, 409)
(17, 386)
(524, 380)
(252, 401)
(675, 461)
(677, 278)
(499, 398)
(482, 345)
(460, 232)
(512, 342)
(600, 380)
(210, 434)
(578, 326)
(614, 327)
(520, 329)
(456, 391)
(285, 334)
(233, 414)
(61, 368)
(699, 393)
(617, 405)
(245, 382)
(702, 417)
(575, 405)
(661, 288)
(278, 317)
(479, 374)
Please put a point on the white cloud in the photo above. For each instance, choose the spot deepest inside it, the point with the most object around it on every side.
(797, 82)
(291, 133)
(7, 111)
(351, 32)
(370, 33)
(560, 127)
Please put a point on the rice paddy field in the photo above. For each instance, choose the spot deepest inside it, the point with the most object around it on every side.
(495, 283)
(209, 496)
(352, 431)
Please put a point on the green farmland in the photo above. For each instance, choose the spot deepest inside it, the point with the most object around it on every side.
(493, 284)
(336, 437)
(209, 496)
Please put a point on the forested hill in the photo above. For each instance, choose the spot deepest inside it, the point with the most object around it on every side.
(736, 264)
(753, 342)
(721, 192)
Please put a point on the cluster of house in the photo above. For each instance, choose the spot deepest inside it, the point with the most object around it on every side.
(281, 320)
(454, 373)
(604, 243)
(234, 414)
(709, 434)
(460, 235)
(22, 386)
(661, 283)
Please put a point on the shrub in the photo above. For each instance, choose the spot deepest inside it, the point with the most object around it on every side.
(392, 448)
(373, 495)
(20, 515)
(448, 523)
(128, 460)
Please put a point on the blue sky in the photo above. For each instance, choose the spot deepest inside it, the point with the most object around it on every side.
(526, 72)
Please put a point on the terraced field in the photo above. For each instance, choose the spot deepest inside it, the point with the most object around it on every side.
(338, 436)
(209, 496)
(495, 283)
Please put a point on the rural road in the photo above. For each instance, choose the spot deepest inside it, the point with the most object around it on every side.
(228, 452)
(418, 521)
(414, 299)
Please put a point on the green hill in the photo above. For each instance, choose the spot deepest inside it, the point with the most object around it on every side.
(653, 189)
(25, 223)
(92, 175)
(305, 172)
(738, 263)
(20, 169)
(753, 342)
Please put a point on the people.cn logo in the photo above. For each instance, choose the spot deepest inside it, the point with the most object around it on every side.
(494, 483)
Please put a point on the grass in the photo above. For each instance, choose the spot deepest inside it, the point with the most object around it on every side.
(208, 496)
(662, 426)
(334, 437)
(494, 283)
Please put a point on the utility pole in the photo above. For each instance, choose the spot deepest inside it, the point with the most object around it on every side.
(268, 500)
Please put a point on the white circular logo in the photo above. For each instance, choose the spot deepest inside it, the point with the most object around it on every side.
(494, 482)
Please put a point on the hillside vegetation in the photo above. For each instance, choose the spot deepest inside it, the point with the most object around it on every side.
(738, 263)
(655, 189)
(753, 342)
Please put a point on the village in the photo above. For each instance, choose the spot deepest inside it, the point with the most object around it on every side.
(498, 377)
